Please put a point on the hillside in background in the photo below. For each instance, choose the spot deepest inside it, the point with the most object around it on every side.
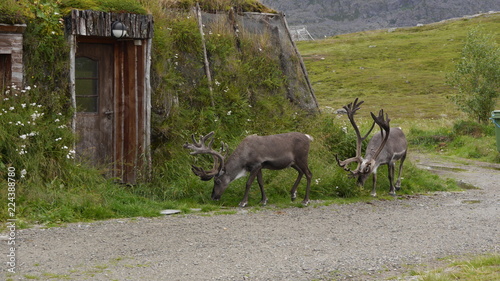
(331, 17)
(403, 71)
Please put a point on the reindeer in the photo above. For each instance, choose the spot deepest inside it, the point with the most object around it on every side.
(385, 147)
(254, 153)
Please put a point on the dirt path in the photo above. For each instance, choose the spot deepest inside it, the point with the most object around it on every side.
(362, 241)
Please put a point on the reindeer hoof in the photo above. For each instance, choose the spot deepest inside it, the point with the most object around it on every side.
(263, 202)
(305, 203)
(374, 194)
(294, 196)
(242, 204)
(393, 194)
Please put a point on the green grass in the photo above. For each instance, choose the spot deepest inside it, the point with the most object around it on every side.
(479, 268)
(403, 71)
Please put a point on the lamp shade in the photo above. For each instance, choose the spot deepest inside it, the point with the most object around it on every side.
(118, 29)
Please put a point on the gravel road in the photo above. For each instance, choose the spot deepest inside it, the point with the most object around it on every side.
(361, 241)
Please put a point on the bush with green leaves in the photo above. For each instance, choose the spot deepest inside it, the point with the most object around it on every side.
(477, 76)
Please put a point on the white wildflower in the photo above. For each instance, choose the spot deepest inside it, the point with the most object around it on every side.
(58, 139)
(71, 154)
(11, 108)
(229, 112)
(23, 136)
(23, 105)
(23, 173)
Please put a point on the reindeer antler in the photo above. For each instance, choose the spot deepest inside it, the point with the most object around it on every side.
(202, 148)
(383, 123)
(351, 109)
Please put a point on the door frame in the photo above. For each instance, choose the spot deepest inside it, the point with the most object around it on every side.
(132, 91)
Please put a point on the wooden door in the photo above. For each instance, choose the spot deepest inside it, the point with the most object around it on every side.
(94, 88)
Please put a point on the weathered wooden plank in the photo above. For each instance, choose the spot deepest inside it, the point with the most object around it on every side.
(119, 110)
(131, 124)
(12, 28)
(95, 23)
(141, 96)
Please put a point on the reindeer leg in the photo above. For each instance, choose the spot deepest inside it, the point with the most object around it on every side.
(390, 168)
(263, 202)
(374, 192)
(398, 182)
(293, 191)
(250, 180)
(308, 187)
(302, 171)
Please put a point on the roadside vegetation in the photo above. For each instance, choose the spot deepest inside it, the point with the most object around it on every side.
(402, 72)
(478, 268)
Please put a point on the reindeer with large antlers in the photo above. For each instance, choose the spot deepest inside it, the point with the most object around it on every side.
(386, 147)
(254, 153)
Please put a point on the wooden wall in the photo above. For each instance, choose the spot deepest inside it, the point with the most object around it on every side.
(11, 51)
(94, 23)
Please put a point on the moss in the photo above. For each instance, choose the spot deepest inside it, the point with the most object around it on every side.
(114, 6)
(11, 12)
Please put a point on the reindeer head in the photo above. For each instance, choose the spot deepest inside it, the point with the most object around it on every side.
(368, 164)
(218, 170)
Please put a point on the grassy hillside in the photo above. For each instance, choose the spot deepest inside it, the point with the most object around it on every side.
(403, 71)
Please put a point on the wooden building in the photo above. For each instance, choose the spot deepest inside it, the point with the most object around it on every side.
(110, 89)
(11, 55)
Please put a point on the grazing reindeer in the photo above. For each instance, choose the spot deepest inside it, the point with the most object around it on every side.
(386, 147)
(254, 153)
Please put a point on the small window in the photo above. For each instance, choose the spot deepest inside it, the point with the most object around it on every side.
(86, 85)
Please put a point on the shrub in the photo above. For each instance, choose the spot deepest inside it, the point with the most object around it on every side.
(477, 76)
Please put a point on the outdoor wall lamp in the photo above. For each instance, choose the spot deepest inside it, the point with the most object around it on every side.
(118, 29)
